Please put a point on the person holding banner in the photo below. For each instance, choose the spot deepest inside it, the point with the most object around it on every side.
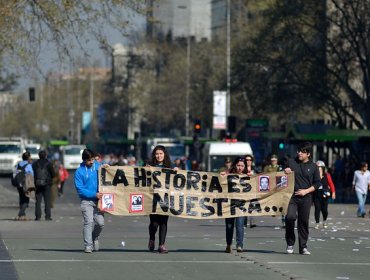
(306, 181)
(238, 167)
(160, 158)
(86, 183)
(251, 170)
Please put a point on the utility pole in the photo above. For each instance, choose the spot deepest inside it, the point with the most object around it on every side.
(228, 59)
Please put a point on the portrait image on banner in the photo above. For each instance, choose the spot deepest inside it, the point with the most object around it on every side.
(107, 202)
(219, 109)
(136, 202)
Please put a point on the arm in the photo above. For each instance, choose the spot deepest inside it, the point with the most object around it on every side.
(331, 185)
(316, 183)
(81, 188)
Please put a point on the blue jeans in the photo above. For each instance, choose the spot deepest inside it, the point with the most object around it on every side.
(93, 222)
(239, 224)
(361, 197)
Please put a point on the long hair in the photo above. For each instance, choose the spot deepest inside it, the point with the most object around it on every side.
(233, 166)
(166, 160)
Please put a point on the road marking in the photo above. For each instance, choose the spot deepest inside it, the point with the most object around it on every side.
(129, 261)
(320, 263)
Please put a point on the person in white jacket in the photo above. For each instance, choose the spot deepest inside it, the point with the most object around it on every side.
(361, 185)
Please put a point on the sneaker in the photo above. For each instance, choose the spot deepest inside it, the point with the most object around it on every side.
(239, 249)
(252, 225)
(289, 249)
(317, 226)
(228, 249)
(283, 224)
(88, 250)
(151, 245)
(162, 249)
(96, 245)
(305, 252)
(325, 225)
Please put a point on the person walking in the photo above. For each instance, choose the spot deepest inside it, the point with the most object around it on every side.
(24, 200)
(86, 183)
(63, 176)
(238, 167)
(160, 158)
(306, 181)
(361, 185)
(322, 194)
(43, 173)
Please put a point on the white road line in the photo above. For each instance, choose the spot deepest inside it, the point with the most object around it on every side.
(128, 261)
(320, 263)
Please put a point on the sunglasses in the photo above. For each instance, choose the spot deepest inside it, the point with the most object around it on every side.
(248, 159)
(302, 151)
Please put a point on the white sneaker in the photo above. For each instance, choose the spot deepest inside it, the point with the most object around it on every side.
(289, 249)
(88, 250)
(305, 252)
(96, 245)
(325, 225)
(317, 226)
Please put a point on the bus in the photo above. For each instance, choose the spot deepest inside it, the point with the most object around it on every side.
(72, 155)
(215, 153)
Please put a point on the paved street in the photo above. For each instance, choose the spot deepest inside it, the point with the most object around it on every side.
(53, 249)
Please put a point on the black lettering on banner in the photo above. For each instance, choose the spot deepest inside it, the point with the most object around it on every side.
(231, 184)
(193, 179)
(215, 185)
(274, 208)
(168, 173)
(190, 204)
(157, 184)
(104, 177)
(172, 205)
(246, 186)
(204, 183)
(120, 178)
(237, 203)
(176, 179)
(148, 179)
(281, 209)
(219, 202)
(254, 206)
(139, 178)
(163, 203)
(210, 208)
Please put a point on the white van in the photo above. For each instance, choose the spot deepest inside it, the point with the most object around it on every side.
(215, 153)
(34, 150)
(72, 156)
(11, 150)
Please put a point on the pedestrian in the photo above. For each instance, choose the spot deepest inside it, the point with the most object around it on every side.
(238, 167)
(274, 167)
(86, 183)
(251, 170)
(306, 181)
(55, 182)
(322, 194)
(160, 158)
(43, 172)
(63, 176)
(361, 184)
(23, 198)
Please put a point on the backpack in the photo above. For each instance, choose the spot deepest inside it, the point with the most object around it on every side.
(42, 176)
(19, 180)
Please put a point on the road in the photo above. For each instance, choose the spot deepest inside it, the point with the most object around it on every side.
(54, 249)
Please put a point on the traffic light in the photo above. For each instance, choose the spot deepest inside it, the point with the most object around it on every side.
(32, 94)
(197, 126)
(281, 146)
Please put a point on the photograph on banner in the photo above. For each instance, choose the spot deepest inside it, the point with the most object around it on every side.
(193, 194)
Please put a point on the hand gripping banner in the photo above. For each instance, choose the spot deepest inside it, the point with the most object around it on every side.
(188, 194)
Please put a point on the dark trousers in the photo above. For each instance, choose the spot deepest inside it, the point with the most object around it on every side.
(60, 190)
(298, 206)
(43, 192)
(321, 205)
(155, 222)
(23, 202)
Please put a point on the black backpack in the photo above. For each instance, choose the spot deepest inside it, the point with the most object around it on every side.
(19, 179)
(42, 176)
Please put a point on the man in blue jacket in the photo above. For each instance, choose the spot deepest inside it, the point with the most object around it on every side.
(86, 183)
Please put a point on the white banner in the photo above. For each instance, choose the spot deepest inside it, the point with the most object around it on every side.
(219, 109)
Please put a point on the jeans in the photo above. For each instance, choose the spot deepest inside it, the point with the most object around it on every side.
(361, 197)
(43, 192)
(239, 224)
(23, 202)
(93, 222)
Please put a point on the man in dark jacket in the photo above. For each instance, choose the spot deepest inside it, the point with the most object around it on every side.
(306, 181)
(43, 174)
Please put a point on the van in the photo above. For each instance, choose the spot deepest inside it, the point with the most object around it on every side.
(215, 153)
(72, 155)
(11, 150)
(34, 150)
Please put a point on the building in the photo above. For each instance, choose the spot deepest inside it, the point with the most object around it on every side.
(179, 19)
